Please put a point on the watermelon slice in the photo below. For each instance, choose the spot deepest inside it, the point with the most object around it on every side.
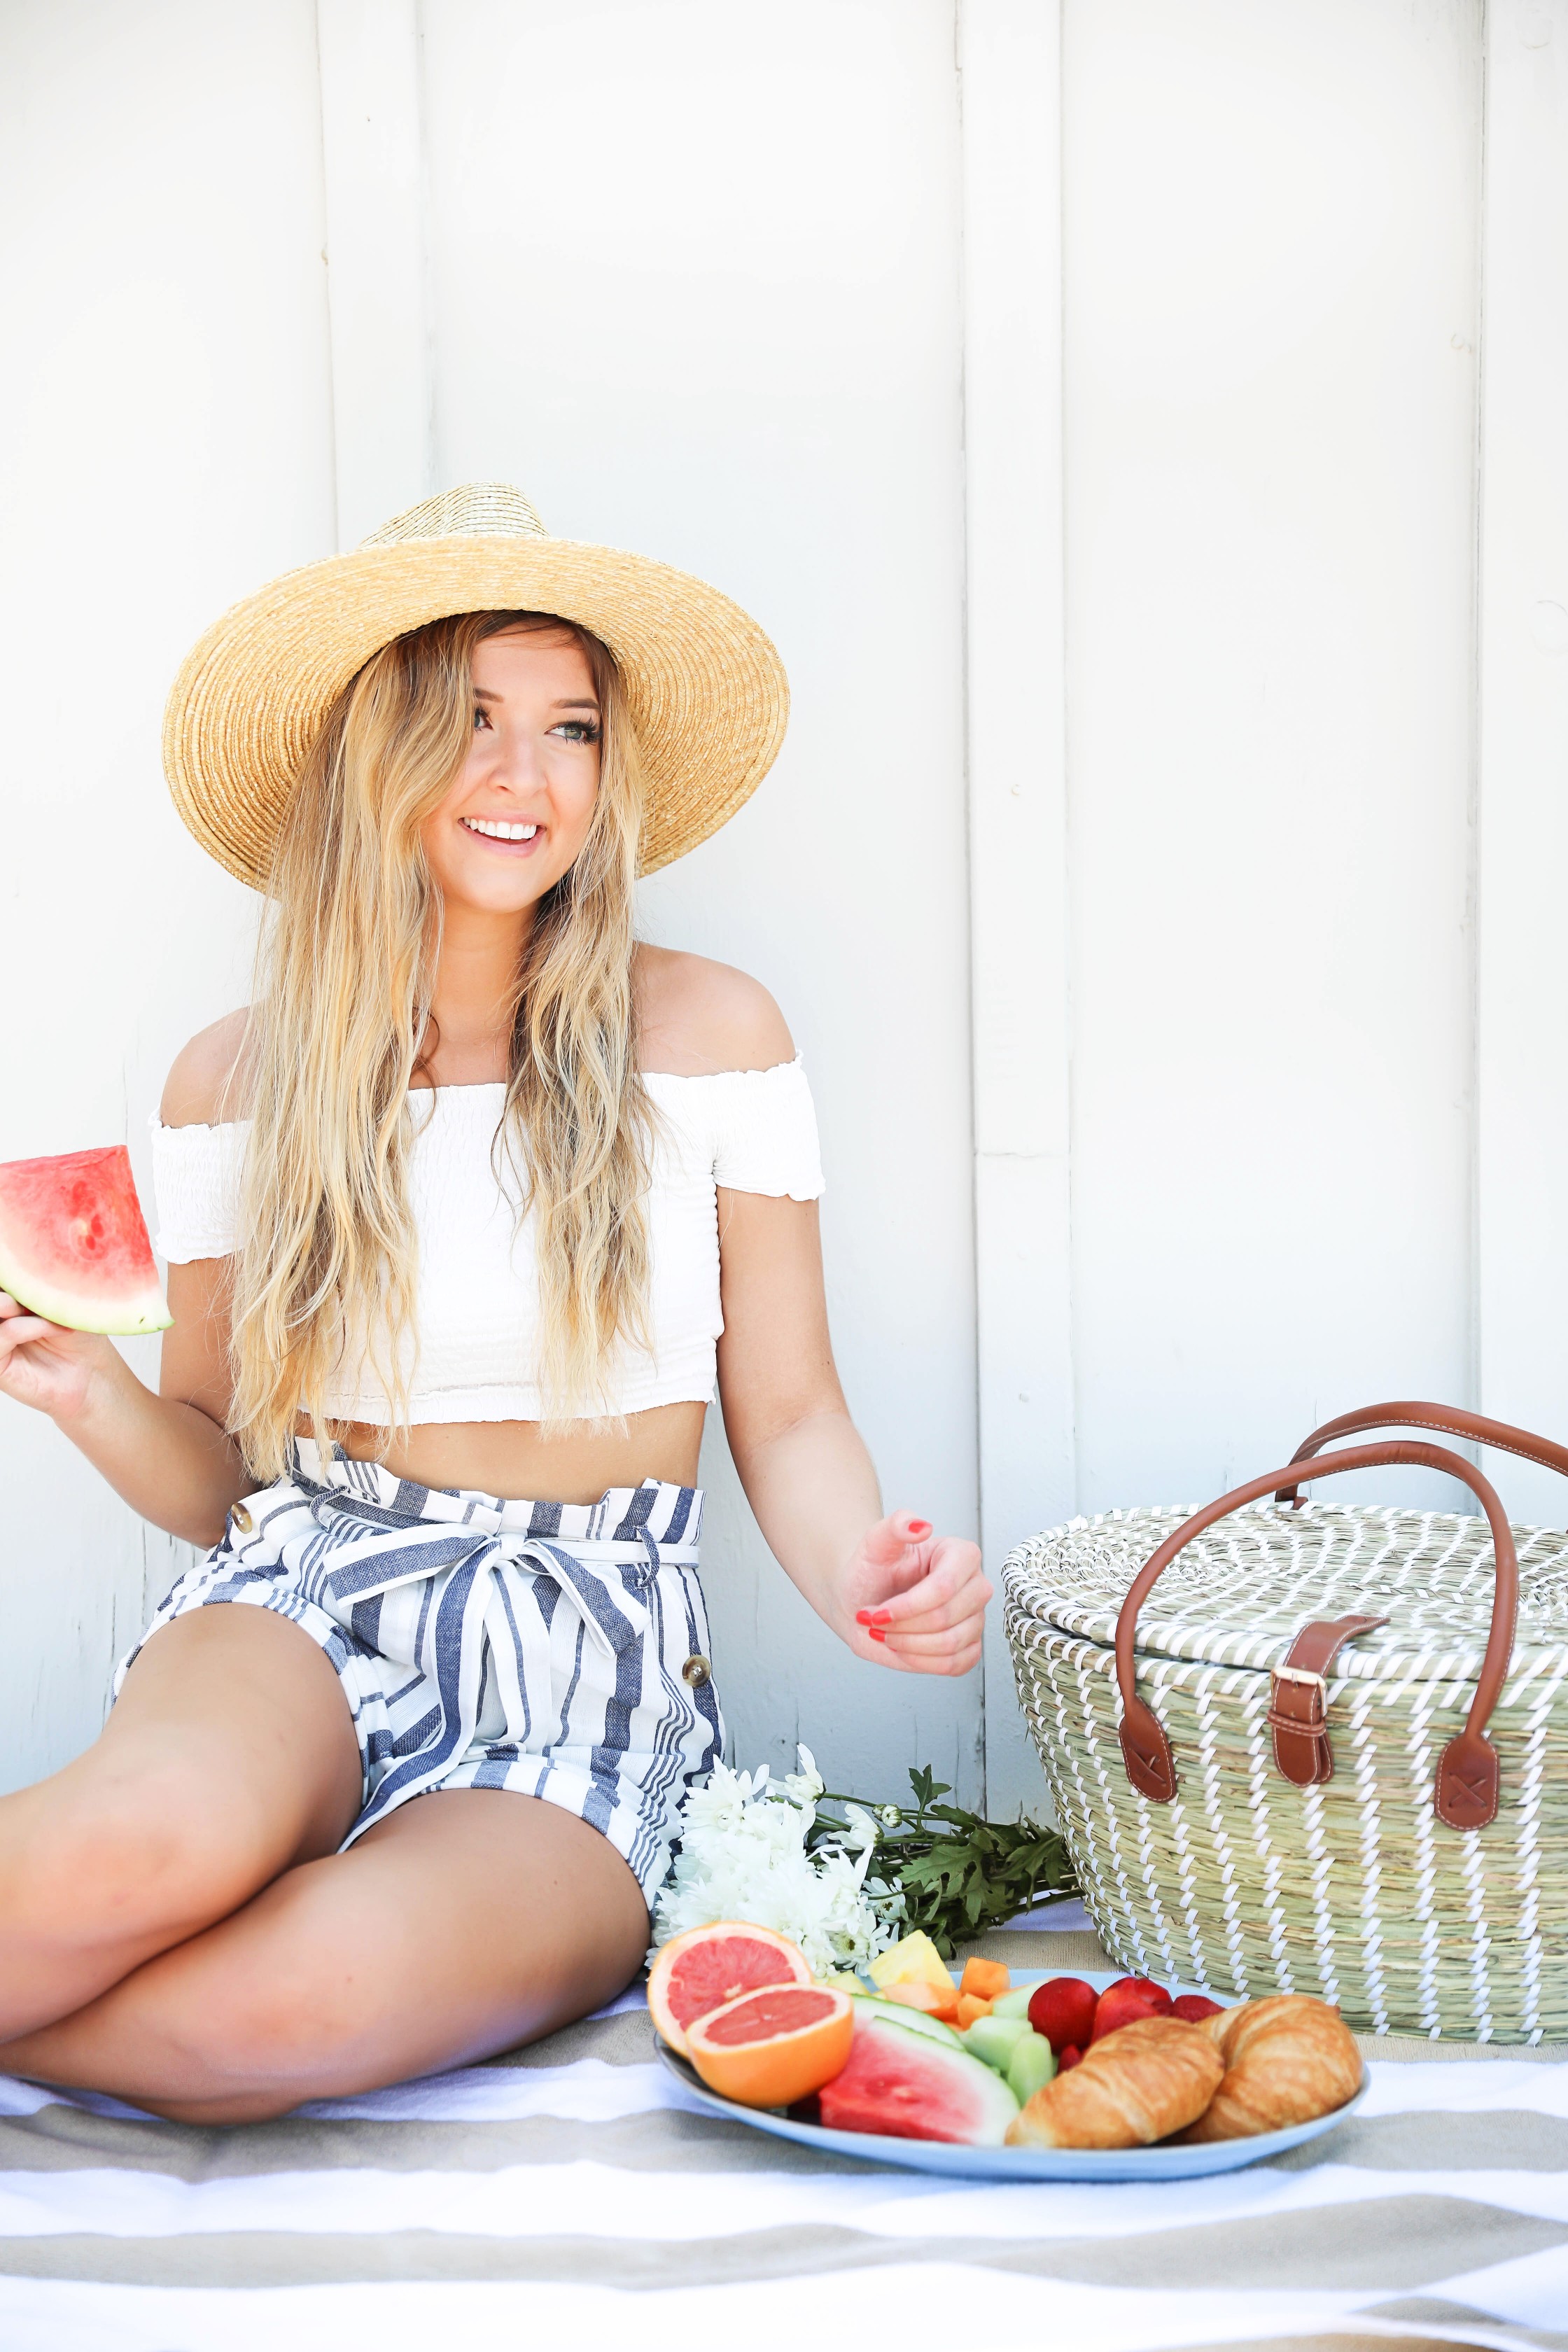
(74, 1245)
(907, 2086)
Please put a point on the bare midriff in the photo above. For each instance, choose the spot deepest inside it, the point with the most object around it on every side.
(514, 1459)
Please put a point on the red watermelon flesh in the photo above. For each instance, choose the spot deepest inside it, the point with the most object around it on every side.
(74, 1245)
(907, 2085)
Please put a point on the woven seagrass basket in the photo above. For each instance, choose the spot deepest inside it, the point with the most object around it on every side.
(1331, 1759)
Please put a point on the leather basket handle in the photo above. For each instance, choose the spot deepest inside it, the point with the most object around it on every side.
(1466, 1787)
(1451, 1419)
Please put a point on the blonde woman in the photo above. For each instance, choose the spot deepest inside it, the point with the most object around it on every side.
(463, 1216)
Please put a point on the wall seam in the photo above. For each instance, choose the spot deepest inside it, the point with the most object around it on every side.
(327, 278)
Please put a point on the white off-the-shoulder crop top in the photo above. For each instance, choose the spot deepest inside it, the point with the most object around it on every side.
(478, 1307)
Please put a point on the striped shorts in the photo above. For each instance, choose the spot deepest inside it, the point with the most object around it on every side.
(558, 1649)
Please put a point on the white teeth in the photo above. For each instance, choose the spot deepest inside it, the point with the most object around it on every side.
(494, 830)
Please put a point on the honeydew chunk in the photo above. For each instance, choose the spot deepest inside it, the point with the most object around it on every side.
(1032, 2065)
(994, 2039)
(1013, 2004)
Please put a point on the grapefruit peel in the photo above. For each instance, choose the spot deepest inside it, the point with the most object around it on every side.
(772, 2047)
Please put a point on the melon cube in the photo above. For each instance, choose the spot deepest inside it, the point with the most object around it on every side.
(915, 1994)
(984, 1978)
(970, 2008)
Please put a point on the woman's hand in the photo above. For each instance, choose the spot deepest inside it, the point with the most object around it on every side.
(46, 1366)
(916, 1600)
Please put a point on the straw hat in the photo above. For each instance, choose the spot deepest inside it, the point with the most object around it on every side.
(706, 691)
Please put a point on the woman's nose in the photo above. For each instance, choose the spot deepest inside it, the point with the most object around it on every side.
(516, 764)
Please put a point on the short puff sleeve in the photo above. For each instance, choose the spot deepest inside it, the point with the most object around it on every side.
(764, 1134)
(195, 1183)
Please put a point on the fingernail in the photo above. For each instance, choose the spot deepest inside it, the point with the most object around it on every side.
(876, 1633)
(865, 1616)
(919, 1527)
(879, 1616)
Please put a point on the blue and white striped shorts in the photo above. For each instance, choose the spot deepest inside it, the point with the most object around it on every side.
(558, 1649)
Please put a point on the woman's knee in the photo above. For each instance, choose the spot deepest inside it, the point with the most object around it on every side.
(254, 2042)
(144, 1849)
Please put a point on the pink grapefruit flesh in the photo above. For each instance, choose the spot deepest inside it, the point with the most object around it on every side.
(698, 1972)
(73, 1243)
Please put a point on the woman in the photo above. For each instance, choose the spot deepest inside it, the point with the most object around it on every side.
(461, 1216)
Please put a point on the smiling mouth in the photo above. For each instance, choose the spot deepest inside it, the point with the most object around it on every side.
(499, 830)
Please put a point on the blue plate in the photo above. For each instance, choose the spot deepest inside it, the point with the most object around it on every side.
(1157, 2163)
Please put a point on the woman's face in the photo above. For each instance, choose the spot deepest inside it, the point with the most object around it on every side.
(519, 810)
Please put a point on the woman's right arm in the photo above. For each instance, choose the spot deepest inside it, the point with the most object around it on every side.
(168, 1454)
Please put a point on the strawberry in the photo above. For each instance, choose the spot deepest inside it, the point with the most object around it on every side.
(1194, 2007)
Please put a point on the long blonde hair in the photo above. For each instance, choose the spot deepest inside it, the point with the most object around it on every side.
(324, 1278)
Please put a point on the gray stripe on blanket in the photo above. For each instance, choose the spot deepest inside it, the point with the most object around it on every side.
(661, 2141)
(1436, 2311)
(65, 2139)
(69, 2139)
(624, 2041)
(1393, 2245)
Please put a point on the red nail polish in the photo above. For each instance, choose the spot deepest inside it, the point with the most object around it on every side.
(920, 1528)
(876, 1632)
(879, 1616)
(863, 1616)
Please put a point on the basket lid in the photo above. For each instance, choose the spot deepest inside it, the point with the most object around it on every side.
(1239, 1594)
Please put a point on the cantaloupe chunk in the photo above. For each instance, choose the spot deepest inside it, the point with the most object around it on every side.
(984, 1978)
(914, 1992)
(970, 2006)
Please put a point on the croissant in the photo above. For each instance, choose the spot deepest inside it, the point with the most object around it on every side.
(1288, 2060)
(1135, 2085)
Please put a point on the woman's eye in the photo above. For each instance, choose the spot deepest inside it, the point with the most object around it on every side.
(578, 731)
(481, 719)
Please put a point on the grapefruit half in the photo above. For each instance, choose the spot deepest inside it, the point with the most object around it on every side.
(770, 2048)
(698, 1972)
(73, 1245)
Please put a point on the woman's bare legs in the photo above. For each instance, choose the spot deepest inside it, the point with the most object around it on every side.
(230, 1756)
(467, 1922)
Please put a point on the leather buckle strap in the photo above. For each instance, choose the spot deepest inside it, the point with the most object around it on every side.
(1299, 1699)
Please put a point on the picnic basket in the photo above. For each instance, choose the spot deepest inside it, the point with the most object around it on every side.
(1301, 1748)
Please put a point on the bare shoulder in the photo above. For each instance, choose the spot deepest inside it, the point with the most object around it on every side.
(198, 1091)
(696, 1016)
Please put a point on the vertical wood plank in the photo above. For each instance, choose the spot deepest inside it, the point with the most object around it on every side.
(372, 157)
(1523, 988)
(1009, 58)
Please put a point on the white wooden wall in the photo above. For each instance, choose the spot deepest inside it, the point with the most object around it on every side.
(1093, 401)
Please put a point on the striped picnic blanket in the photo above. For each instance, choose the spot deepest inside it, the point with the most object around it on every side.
(566, 2195)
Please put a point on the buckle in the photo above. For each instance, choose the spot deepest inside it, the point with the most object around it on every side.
(1299, 1674)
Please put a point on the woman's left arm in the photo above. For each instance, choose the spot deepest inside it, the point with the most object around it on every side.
(892, 1588)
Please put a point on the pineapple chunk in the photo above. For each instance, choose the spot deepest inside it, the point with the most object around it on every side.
(914, 1962)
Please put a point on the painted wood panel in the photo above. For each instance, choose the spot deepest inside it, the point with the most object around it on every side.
(1271, 309)
(738, 347)
(1523, 1137)
(165, 447)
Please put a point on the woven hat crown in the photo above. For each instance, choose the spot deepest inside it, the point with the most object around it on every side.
(473, 511)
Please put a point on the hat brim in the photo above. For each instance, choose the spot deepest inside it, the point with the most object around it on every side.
(706, 688)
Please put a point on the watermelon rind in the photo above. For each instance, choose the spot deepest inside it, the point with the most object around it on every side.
(128, 1318)
(896, 2012)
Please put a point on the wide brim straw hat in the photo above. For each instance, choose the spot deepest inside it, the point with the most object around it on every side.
(706, 689)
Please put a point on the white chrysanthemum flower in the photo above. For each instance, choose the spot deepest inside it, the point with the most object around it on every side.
(744, 1856)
